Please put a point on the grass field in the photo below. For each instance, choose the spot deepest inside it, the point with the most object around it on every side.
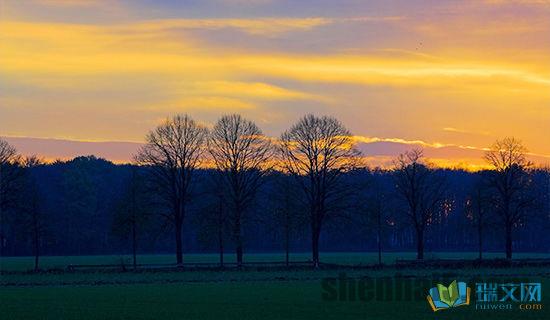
(348, 258)
(232, 294)
(241, 300)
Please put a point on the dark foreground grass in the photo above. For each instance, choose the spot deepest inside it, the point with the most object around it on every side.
(233, 294)
(220, 300)
(238, 295)
(344, 258)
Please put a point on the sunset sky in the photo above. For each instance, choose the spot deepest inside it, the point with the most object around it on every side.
(451, 76)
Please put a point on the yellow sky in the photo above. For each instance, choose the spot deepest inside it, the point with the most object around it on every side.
(446, 74)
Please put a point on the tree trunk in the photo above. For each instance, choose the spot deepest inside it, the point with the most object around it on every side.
(238, 239)
(287, 235)
(134, 220)
(36, 247)
(179, 247)
(220, 229)
(419, 244)
(508, 240)
(287, 248)
(480, 239)
(379, 237)
(36, 256)
(239, 252)
(220, 238)
(1, 216)
(1, 219)
(134, 242)
(315, 251)
(179, 232)
(315, 244)
(379, 248)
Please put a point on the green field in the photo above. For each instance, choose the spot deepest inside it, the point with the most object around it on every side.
(232, 294)
(348, 258)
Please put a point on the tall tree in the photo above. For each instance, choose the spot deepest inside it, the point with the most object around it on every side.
(511, 180)
(318, 151)
(174, 150)
(241, 153)
(422, 188)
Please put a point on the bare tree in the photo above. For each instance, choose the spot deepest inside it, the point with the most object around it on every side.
(32, 218)
(213, 221)
(10, 177)
(374, 213)
(133, 211)
(511, 180)
(286, 209)
(174, 150)
(242, 155)
(423, 190)
(220, 222)
(318, 151)
(9, 172)
(477, 210)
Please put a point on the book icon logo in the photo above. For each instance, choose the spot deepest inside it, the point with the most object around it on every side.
(455, 295)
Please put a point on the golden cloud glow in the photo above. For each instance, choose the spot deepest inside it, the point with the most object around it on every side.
(221, 104)
(248, 89)
(67, 50)
(60, 48)
(361, 139)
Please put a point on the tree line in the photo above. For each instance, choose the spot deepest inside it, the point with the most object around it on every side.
(227, 185)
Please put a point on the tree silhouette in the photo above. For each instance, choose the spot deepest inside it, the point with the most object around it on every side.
(32, 218)
(10, 173)
(174, 150)
(422, 188)
(11, 176)
(241, 153)
(318, 151)
(133, 211)
(213, 221)
(374, 213)
(286, 210)
(510, 180)
(477, 210)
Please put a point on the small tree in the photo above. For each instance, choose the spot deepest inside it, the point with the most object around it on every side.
(32, 218)
(422, 188)
(242, 155)
(375, 212)
(11, 176)
(9, 172)
(477, 210)
(132, 212)
(173, 152)
(213, 221)
(510, 180)
(286, 211)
